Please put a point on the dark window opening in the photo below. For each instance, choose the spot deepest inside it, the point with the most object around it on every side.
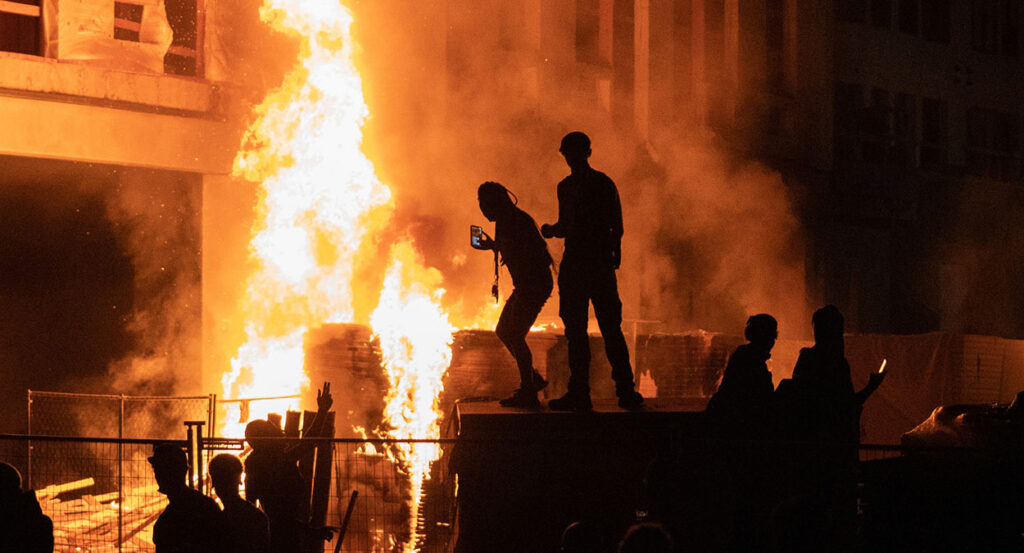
(935, 20)
(995, 27)
(184, 55)
(588, 31)
(934, 134)
(21, 27)
(851, 11)
(775, 43)
(905, 130)
(992, 144)
(881, 13)
(849, 109)
(908, 16)
(127, 21)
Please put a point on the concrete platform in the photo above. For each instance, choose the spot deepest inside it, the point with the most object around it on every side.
(525, 475)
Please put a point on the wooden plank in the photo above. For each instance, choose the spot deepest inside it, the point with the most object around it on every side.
(18, 8)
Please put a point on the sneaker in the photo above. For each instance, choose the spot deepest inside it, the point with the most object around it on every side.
(571, 402)
(631, 401)
(521, 399)
(538, 381)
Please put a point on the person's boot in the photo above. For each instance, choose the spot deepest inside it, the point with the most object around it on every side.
(572, 401)
(522, 399)
(631, 400)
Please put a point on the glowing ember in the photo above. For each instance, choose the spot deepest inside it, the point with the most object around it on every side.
(320, 200)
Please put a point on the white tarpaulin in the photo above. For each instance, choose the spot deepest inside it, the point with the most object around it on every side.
(84, 30)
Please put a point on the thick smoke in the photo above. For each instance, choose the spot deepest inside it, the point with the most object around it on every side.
(711, 237)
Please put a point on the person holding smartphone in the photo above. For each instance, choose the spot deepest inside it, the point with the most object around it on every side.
(525, 254)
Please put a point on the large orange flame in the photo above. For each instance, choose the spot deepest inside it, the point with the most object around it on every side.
(320, 200)
(415, 342)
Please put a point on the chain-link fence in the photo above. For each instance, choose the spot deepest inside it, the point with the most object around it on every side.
(102, 416)
(102, 512)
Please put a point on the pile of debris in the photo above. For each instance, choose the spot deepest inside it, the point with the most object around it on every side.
(90, 523)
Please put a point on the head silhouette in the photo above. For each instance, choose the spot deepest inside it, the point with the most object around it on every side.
(762, 330)
(581, 537)
(828, 325)
(10, 481)
(494, 200)
(257, 433)
(170, 465)
(646, 538)
(576, 149)
(226, 473)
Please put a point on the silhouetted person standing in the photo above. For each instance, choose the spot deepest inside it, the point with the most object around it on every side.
(246, 529)
(823, 409)
(23, 526)
(526, 255)
(272, 477)
(740, 416)
(590, 221)
(741, 408)
(191, 523)
(823, 374)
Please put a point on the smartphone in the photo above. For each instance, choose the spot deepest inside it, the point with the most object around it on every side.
(476, 236)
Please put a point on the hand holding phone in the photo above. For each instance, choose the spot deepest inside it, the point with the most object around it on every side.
(478, 239)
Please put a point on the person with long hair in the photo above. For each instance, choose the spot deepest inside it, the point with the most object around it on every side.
(525, 254)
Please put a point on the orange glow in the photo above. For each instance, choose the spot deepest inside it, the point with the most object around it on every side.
(320, 201)
(415, 341)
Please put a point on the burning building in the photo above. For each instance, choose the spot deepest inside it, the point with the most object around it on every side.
(190, 196)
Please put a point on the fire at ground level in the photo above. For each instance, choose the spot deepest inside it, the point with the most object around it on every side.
(542, 470)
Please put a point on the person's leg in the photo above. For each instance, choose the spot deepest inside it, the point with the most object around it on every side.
(513, 325)
(608, 310)
(574, 300)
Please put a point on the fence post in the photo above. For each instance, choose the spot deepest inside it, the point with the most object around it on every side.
(28, 454)
(120, 477)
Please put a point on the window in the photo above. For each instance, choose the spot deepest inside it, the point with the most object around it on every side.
(849, 108)
(992, 143)
(851, 11)
(20, 26)
(127, 21)
(935, 20)
(934, 134)
(908, 16)
(774, 44)
(881, 13)
(878, 127)
(588, 31)
(184, 57)
(905, 130)
(183, 16)
(995, 26)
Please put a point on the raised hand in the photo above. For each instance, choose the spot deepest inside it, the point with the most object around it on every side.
(324, 401)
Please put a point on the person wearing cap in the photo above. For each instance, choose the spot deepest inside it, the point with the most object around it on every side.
(590, 221)
(191, 521)
(525, 253)
(246, 527)
(23, 526)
